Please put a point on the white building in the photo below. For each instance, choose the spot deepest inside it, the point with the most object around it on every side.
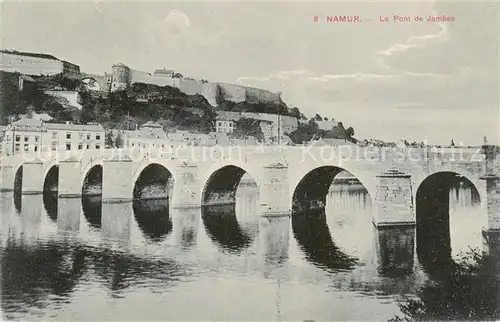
(149, 135)
(223, 125)
(28, 135)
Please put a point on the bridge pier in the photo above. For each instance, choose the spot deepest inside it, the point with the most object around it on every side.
(69, 183)
(395, 248)
(274, 234)
(185, 226)
(273, 192)
(186, 192)
(32, 178)
(117, 185)
(116, 220)
(68, 214)
(394, 200)
(6, 178)
(491, 234)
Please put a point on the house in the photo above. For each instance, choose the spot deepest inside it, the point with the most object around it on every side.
(149, 135)
(29, 135)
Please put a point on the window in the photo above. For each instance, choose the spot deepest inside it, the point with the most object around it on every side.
(97, 137)
(68, 146)
(54, 145)
(35, 148)
(88, 146)
(26, 138)
(68, 135)
(133, 144)
(26, 147)
(97, 146)
(36, 138)
(54, 135)
(18, 138)
(88, 136)
(7, 138)
(17, 147)
(80, 136)
(80, 146)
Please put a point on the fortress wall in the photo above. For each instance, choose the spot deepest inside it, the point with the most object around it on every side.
(255, 95)
(209, 91)
(137, 76)
(13, 63)
(190, 86)
(233, 92)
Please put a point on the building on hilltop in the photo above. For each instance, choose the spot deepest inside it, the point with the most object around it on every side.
(326, 125)
(29, 135)
(122, 77)
(36, 64)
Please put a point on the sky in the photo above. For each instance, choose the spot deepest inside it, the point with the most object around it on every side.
(423, 81)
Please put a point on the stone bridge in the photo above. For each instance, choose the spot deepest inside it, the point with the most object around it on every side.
(290, 179)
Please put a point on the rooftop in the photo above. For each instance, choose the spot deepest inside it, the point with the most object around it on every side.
(75, 127)
(37, 55)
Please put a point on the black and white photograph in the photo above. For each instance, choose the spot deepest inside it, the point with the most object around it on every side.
(249, 160)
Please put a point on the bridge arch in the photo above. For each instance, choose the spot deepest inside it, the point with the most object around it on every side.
(432, 210)
(51, 178)
(92, 180)
(223, 179)
(153, 180)
(91, 83)
(309, 187)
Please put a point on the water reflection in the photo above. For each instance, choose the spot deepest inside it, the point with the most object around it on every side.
(185, 226)
(313, 236)
(31, 275)
(223, 228)
(50, 203)
(69, 218)
(116, 221)
(92, 210)
(275, 238)
(439, 212)
(153, 218)
(51, 275)
(395, 250)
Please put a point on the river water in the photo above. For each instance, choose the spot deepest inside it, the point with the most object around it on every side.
(74, 259)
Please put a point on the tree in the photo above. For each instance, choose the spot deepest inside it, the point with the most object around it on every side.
(325, 118)
(119, 141)
(295, 112)
(318, 117)
(468, 290)
(452, 143)
(350, 131)
(109, 139)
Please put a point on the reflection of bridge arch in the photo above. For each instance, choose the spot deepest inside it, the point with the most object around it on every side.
(433, 215)
(92, 210)
(18, 179)
(313, 236)
(153, 218)
(311, 190)
(222, 180)
(223, 228)
(50, 203)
